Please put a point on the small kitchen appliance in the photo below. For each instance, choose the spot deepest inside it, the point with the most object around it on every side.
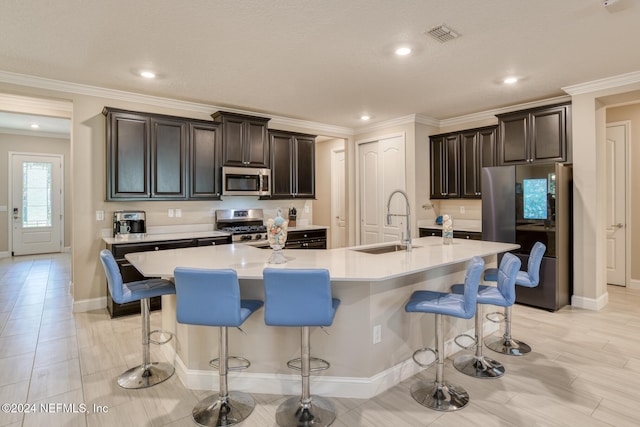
(129, 223)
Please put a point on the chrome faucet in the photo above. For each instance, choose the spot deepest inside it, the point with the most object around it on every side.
(407, 240)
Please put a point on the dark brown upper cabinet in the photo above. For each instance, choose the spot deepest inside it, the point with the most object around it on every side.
(539, 135)
(445, 166)
(157, 157)
(292, 165)
(169, 158)
(478, 148)
(245, 140)
(128, 155)
(205, 151)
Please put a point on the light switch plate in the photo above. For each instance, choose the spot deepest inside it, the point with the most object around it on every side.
(99, 215)
(170, 213)
(178, 213)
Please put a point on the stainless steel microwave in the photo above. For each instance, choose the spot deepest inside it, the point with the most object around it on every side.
(246, 181)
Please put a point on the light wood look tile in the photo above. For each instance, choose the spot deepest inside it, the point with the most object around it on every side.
(584, 369)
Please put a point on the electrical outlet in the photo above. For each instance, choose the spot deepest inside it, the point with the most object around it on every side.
(377, 334)
(99, 215)
(170, 213)
(306, 208)
(462, 209)
(178, 213)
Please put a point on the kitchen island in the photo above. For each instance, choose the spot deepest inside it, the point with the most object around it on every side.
(373, 289)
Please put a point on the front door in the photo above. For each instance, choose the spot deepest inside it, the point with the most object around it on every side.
(36, 203)
(616, 172)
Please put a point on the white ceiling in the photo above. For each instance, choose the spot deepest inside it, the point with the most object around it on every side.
(326, 61)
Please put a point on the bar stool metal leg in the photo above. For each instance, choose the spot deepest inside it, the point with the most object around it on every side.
(305, 411)
(149, 373)
(505, 344)
(477, 365)
(440, 395)
(226, 408)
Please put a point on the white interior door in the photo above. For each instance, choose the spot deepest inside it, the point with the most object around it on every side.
(338, 212)
(616, 171)
(36, 203)
(382, 170)
(370, 193)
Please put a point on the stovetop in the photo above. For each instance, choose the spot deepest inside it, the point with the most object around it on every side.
(243, 224)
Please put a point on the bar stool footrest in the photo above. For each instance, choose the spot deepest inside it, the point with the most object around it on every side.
(496, 317)
(320, 364)
(241, 363)
(425, 350)
(160, 342)
(466, 347)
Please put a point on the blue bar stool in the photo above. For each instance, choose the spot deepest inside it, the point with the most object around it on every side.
(441, 395)
(503, 295)
(212, 298)
(530, 279)
(149, 373)
(301, 297)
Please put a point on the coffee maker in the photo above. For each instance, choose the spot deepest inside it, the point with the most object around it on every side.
(129, 223)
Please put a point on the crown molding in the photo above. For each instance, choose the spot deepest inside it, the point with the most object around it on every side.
(80, 89)
(9, 131)
(491, 114)
(410, 119)
(25, 104)
(601, 84)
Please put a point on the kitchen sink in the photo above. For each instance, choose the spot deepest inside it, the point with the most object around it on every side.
(384, 249)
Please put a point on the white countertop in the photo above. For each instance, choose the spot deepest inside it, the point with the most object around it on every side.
(344, 264)
(149, 238)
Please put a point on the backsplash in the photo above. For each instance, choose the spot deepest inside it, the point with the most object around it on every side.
(470, 209)
(201, 215)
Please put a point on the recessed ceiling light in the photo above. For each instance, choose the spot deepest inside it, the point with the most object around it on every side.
(403, 51)
(510, 80)
(148, 74)
(35, 126)
(365, 117)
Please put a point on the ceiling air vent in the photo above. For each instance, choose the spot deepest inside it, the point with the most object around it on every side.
(442, 33)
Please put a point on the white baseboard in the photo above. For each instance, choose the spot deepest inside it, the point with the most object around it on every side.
(289, 384)
(594, 304)
(5, 254)
(634, 284)
(89, 304)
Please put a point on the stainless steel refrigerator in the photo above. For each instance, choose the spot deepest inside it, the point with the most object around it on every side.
(524, 204)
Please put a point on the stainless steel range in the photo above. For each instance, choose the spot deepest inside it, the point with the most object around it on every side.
(244, 224)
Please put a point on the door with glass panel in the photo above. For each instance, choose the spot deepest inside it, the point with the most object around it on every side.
(36, 209)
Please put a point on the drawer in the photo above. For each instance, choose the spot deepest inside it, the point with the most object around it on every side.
(469, 235)
(120, 250)
(214, 241)
(307, 234)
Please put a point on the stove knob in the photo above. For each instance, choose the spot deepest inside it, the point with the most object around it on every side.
(245, 237)
(257, 237)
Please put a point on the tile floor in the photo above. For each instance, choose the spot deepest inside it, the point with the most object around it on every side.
(584, 369)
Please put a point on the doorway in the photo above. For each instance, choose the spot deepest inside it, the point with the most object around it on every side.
(381, 170)
(617, 194)
(36, 203)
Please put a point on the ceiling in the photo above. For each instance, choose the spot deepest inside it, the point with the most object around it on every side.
(325, 61)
